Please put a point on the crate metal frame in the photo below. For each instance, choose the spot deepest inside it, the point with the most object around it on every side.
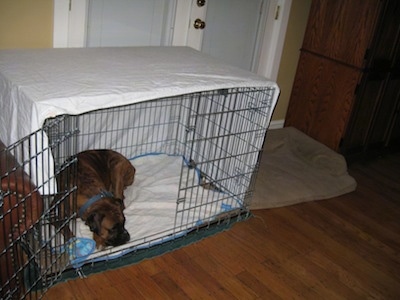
(220, 133)
(25, 237)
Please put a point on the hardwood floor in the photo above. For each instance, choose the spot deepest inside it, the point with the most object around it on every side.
(342, 248)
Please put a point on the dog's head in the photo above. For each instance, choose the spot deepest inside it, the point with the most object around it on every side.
(106, 220)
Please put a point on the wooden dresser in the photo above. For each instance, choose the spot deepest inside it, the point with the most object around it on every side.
(346, 90)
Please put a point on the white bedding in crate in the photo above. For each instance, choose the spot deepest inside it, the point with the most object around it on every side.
(151, 210)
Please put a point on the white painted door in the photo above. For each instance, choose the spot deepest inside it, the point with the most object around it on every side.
(230, 30)
(129, 23)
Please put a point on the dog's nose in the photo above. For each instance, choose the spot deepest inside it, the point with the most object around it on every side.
(124, 239)
(126, 236)
(121, 239)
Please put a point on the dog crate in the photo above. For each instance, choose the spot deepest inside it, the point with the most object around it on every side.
(196, 152)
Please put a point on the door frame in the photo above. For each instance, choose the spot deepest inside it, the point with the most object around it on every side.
(70, 16)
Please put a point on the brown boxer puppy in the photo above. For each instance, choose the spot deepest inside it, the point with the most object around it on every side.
(101, 179)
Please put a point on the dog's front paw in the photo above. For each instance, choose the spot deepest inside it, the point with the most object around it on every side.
(100, 242)
(100, 247)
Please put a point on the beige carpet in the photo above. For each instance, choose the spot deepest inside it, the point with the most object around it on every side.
(295, 168)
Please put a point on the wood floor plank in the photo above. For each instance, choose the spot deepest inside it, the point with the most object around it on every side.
(102, 288)
(374, 237)
(257, 286)
(150, 267)
(171, 288)
(182, 276)
(326, 285)
(274, 281)
(215, 289)
(338, 250)
(297, 265)
(85, 288)
(295, 281)
(65, 293)
(359, 241)
(229, 281)
(385, 238)
(228, 259)
(144, 284)
(343, 275)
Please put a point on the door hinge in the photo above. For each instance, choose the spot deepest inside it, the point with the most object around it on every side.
(70, 5)
(277, 11)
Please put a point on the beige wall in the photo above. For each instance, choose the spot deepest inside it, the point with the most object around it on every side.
(26, 24)
(290, 55)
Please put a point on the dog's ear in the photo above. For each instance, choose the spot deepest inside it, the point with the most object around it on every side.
(94, 222)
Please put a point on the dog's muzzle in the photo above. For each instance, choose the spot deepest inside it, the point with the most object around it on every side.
(120, 239)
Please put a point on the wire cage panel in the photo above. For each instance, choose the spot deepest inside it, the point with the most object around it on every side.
(30, 250)
(225, 131)
(216, 138)
(219, 134)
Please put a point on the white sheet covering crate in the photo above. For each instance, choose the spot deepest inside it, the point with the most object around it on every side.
(37, 84)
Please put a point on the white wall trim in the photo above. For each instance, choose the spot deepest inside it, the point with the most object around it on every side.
(276, 124)
(70, 17)
(274, 38)
(181, 25)
(61, 23)
(78, 20)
